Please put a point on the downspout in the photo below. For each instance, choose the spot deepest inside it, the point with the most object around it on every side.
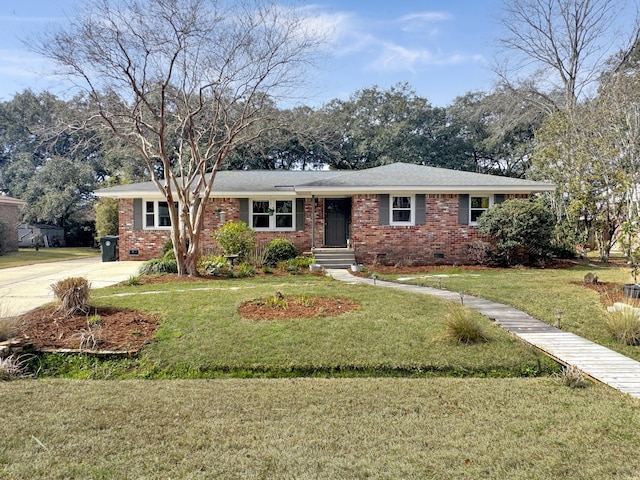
(313, 222)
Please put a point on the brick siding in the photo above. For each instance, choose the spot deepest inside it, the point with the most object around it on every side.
(439, 241)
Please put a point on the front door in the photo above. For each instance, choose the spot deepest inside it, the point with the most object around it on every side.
(337, 216)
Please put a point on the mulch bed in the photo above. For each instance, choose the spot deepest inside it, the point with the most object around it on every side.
(120, 330)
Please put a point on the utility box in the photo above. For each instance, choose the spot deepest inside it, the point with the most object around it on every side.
(109, 248)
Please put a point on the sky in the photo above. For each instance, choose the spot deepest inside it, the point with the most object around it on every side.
(442, 48)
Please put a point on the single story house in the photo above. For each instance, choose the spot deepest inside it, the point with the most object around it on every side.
(9, 219)
(392, 213)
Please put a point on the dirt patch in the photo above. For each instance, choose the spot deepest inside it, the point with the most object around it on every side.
(118, 329)
(609, 292)
(292, 307)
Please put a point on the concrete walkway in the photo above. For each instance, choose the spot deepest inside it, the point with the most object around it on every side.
(27, 287)
(596, 361)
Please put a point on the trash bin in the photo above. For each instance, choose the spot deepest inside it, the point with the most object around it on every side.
(109, 248)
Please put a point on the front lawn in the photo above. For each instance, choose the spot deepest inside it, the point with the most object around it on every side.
(201, 334)
(436, 428)
(539, 292)
(29, 256)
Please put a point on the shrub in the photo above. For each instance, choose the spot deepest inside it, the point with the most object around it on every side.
(159, 266)
(12, 367)
(624, 325)
(214, 265)
(132, 281)
(236, 238)
(462, 326)
(519, 226)
(8, 327)
(279, 250)
(572, 377)
(244, 270)
(73, 293)
(106, 210)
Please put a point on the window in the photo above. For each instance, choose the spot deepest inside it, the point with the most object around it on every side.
(157, 214)
(477, 206)
(402, 210)
(272, 214)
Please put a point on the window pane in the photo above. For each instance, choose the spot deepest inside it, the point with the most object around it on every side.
(163, 215)
(479, 202)
(261, 221)
(149, 217)
(284, 206)
(401, 202)
(260, 206)
(476, 214)
(402, 215)
(284, 221)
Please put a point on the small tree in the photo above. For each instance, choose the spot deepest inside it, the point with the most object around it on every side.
(236, 238)
(519, 227)
(184, 83)
(106, 217)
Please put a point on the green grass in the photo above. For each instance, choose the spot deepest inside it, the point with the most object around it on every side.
(539, 292)
(317, 428)
(392, 333)
(29, 256)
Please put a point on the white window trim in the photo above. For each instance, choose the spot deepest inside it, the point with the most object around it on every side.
(156, 215)
(412, 219)
(272, 218)
(491, 201)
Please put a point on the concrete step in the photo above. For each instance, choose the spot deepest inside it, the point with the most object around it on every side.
(334, 257)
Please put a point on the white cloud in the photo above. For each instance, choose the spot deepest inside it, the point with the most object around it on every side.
(426, 17)
(398, 58)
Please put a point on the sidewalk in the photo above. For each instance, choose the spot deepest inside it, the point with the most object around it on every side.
(596, 361)
(27, 287)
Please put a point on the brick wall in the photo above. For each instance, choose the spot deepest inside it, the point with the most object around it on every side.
(149, 243)
(9, 217)
(439, 241)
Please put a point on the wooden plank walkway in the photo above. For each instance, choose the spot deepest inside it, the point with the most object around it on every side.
(595, 361)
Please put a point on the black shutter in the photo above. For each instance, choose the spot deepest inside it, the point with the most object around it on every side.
(299, 213)
(383, 209)
(463, 209)
(244, 210)
(498, 198)
(137, 214)
(421, 209)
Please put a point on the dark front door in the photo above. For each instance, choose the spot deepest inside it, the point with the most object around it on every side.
(337, 214)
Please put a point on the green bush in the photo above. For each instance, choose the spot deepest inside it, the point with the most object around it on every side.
(106, 210)
(279, 250)
(214, 265)
(236, 238)
(522, 230)
(159, 266)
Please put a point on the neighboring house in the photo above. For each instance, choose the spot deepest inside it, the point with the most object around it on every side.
(9, 218)
(40, 235)
(392, 213)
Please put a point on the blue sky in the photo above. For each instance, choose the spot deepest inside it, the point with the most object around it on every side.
(442, 48)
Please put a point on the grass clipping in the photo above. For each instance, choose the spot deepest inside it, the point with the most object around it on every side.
(462, 326)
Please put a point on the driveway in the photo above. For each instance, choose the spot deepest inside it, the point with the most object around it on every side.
(25, 288)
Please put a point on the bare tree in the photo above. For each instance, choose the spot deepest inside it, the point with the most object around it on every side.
(562, 44)
(185, 82)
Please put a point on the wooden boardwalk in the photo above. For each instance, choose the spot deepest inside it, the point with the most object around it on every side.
(595, 361)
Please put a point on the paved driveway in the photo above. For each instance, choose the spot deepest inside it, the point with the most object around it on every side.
(28, 287)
